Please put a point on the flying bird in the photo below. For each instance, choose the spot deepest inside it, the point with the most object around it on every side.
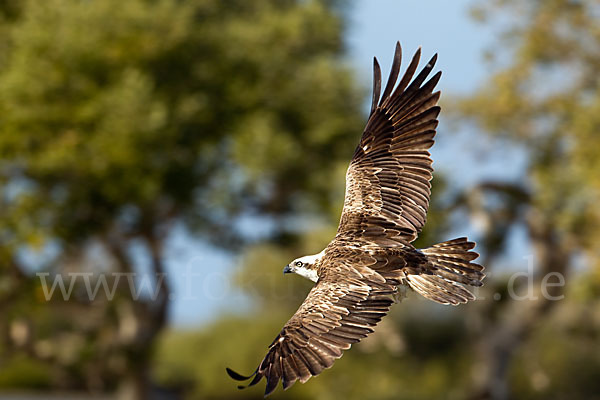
(357, 275)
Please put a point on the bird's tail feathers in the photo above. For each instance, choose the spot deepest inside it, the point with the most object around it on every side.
(451, 267)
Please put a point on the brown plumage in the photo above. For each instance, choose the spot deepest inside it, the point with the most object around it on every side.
(387, 197)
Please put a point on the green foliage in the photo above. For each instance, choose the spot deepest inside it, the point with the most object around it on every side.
(122, 119)
(180, 108)
(384, 366)
(548, 100)
(22, 372)
(559, 363)
(544, 97)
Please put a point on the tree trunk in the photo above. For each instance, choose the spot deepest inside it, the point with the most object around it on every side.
(150, 317)
(503, 337)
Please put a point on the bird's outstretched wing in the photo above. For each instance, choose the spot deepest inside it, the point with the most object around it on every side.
(388, 180)
(341, 309)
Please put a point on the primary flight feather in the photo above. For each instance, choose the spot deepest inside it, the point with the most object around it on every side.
(385, 207)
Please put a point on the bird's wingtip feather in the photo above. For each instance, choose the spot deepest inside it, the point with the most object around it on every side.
(236, 376)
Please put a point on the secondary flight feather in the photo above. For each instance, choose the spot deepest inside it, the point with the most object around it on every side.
(385, 207)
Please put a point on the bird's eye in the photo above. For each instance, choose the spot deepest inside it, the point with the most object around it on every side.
(298, 263)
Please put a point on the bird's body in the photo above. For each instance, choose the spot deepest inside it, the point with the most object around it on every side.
(371, 256)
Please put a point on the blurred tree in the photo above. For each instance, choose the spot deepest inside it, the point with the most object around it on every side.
(545, 98)
(123, 119)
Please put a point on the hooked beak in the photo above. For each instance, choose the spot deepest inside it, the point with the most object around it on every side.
(287, 269)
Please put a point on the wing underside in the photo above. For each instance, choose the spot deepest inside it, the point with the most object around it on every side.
(340, 310)
(388, 180)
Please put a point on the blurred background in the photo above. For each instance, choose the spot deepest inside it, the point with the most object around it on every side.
(161, 160)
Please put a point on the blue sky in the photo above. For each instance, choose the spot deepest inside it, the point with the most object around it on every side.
(438, 26)
(199, 274)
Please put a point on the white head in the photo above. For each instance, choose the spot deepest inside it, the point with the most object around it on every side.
(305, 266)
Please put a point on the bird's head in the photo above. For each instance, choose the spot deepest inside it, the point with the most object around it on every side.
(305, 266)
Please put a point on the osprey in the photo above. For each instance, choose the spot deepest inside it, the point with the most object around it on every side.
(371, 256)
